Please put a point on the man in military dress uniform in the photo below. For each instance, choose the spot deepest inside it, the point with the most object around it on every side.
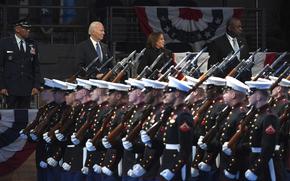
(204, 168)
(19, 67)
(262, 134)
(47, 95)
(177, 134)
(234, 97)
(147, 164)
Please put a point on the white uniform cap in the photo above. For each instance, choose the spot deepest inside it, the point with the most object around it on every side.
(264, 80)
(217, 81)
(84, 83)
(155, 84)
(118, 86)
(178, 84)
(48, 82)
(193, 81)
(71, 86)
(282, 83)
(135, 83)
(237, 85)
(99, 83)
(59, 84)
(261, 85)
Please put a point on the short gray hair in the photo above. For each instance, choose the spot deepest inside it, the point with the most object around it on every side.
(93, 25)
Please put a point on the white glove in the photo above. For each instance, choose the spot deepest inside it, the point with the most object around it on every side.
(127, 144)
(97, 168)
(66, 166)
(167, 174)
(46, 137)
(130, 173)
(201, 144)
(107, 171)
(138, 170)
(250, 175)
(22, 135)
(229, 175)
(42, 164)
(106, 143)
(74, 139)
(226, 149)
(52, 162)
(60, 162)
(145, 138)
(85, 170)
(204, 167)
(90, 146)
(33, 135)
(194, 172)
(59, 136)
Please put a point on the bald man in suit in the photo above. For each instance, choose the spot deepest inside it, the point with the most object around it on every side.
(227, 43)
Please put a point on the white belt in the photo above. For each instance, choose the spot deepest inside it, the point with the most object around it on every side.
(172, 147)
(259, 149)
(256, 149)
(70, 146)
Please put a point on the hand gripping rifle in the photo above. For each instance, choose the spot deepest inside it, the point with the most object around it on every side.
(120, 65)
(268, 69)
(81, 132)
(101, 131)
(211, 133)
(135, 131)
(118, 130)
(242, 129)
(186, 65)
(152, 131)
(148, 70)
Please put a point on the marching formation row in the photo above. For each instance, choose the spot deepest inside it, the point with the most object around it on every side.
(220, 129)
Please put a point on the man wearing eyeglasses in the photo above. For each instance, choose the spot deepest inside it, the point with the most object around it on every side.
(19, 67)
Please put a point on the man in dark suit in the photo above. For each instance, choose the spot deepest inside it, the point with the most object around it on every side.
(91, 48)
(19, 67)
(227, 43)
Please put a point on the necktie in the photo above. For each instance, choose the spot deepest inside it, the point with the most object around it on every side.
(236, 47)
(99, 51)
(21, 46)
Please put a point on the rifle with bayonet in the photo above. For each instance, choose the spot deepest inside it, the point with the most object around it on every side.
(284, 74)
(156, 72)
(242, 129)
(102, 130)
(219, 119)
(186, 65)
(220, 70)
(82, 70)
(118, 130)
(244, 65)
(194, 70)
(135, 131)
(173, 68)
(268, 69)
(148, 70)
(118, 67)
